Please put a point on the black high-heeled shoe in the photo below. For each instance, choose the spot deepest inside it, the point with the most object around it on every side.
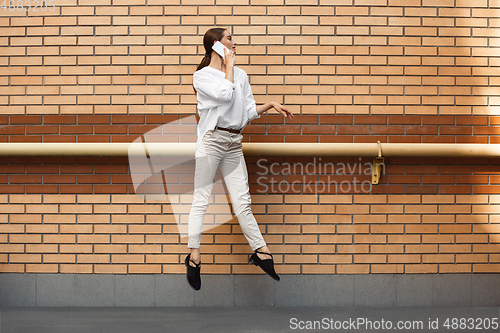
(193, 273)
(267, 265)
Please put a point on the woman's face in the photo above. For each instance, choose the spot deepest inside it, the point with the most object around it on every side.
(227, 40)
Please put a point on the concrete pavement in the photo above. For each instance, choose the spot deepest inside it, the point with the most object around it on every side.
(241, 319)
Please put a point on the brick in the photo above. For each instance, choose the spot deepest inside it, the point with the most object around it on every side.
(438, 258)
(59, 258)
(403, 259)
(301, 239)
(41, 229)
(377, 248)
(486, 268)
(386, 229)
(336, 239)
(403, 218)
(386, 31)
(369, 259)
(403, 239)
(59, 239)
(110, 269)
(42, 268)
(353, 269)
(404, 21)
(370, 239)
(318, 249)
(70, 248)
(386, 11)
(336, 259)
(420, 31)
(384, 268)
(421, 269)
(24, 258)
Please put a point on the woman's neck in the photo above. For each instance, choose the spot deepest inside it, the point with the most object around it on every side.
(217, 63)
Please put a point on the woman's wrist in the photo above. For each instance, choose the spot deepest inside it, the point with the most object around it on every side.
(230, 73)
(263, 108)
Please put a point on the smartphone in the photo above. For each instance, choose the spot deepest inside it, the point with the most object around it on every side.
(219, 48)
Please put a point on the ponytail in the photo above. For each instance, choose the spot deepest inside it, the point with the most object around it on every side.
(212, 35)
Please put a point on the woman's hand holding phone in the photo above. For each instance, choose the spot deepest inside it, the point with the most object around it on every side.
(229, 58)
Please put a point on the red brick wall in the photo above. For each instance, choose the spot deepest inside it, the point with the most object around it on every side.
(353, 71)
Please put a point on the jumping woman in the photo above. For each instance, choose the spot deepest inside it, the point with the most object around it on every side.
(225, 105)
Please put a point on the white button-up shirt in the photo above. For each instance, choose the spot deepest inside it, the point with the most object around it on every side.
(222, 102)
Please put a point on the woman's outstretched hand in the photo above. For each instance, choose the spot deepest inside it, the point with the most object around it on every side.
(283, 110)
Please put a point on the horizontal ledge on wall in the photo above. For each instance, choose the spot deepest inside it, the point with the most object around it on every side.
(255, 149)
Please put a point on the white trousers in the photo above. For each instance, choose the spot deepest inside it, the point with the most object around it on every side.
(222, 149)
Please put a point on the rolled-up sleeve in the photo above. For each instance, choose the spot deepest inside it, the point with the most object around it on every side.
(212, 87)
(250, 106)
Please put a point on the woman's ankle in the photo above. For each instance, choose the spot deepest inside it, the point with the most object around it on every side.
(195, 255)
(264, 249)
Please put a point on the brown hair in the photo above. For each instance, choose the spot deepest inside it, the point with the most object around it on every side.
(210, 37)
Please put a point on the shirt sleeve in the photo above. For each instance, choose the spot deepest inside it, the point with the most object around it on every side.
(250, 106)
(213, 88)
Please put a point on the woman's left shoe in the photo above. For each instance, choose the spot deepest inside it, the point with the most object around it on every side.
(193, 273)
(267, 265)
